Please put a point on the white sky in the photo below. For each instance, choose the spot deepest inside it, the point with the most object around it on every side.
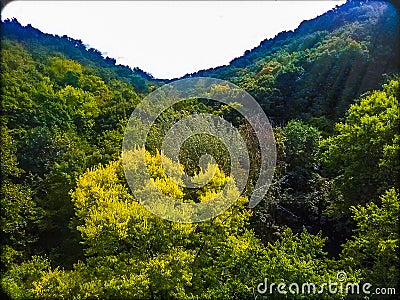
(165, 38)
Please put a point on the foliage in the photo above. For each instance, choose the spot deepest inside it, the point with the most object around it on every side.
(374, 248)
(319, 69)
(370, 136)
(43, 45)
(72, 228)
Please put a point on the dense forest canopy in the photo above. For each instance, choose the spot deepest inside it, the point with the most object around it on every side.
(72, 228)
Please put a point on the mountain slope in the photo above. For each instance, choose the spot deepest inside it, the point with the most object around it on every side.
(319, 68)
(312, 73)
(42, 45)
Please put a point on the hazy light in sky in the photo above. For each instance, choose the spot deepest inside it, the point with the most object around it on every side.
(167, 39)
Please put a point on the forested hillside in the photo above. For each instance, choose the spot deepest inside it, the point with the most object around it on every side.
(41, 45)
(317, 70)
(72, 228)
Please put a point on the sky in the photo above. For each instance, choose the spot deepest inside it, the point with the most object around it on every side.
(168, 39)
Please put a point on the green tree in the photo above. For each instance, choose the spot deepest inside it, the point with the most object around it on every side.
(374, 248)
(19, 213)
(131, 253)
(301, 154)
(363, 153)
